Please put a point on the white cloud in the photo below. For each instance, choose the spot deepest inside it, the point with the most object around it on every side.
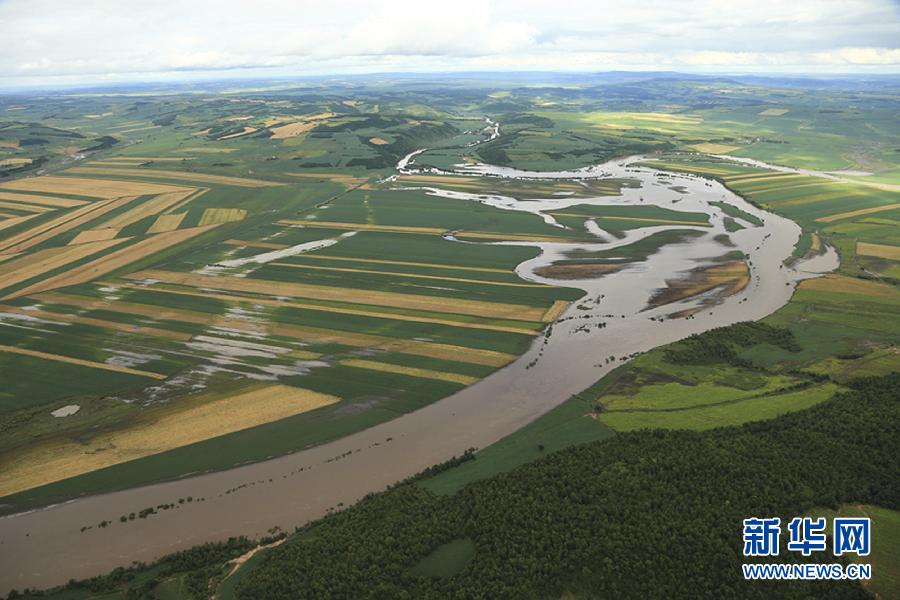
(55, 40)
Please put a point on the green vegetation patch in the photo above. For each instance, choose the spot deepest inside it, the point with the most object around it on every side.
(885, 551)
(446, 560)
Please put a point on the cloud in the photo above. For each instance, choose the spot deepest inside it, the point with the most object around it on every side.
(61, 40)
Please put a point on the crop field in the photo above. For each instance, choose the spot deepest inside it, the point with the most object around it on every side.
(851, 216)
(157, 259)
(194, 420)
(194, 281)
(153, 274)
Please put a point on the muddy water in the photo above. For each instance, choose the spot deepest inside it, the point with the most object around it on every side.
(46, 547)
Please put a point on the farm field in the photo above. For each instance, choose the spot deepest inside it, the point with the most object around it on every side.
(149, 282)
(193, 282)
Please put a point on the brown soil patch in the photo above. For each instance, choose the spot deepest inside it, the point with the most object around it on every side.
(730, 277)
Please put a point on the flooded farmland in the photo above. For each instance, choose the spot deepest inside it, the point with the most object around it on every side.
(616, 319)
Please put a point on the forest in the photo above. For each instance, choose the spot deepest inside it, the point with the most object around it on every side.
(643, 514)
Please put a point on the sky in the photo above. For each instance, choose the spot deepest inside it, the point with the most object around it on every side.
(70, 42)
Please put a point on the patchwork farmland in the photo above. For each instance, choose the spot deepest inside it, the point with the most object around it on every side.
(122, 284)
(269, 303)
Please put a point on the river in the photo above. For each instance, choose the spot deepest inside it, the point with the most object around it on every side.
(47, 547)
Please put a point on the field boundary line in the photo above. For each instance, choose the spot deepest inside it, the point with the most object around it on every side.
(79, 361)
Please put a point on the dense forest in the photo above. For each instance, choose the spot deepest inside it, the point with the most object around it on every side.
(646, 514)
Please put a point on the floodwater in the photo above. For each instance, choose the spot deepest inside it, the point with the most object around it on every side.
(47, 547)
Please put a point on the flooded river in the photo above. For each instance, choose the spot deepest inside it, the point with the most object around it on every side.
(47, 547)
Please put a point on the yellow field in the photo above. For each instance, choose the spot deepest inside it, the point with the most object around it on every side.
(842, 284)
(187, 200)
(9, 143)
(291, 130)
(378, 141)
(411, 371)
(245, 131)
(82, 186)
(207, 150)
(153, 206)
(379, 261)
(65, 149)
(42, 200)
(191, 420)
(112, 261)
(815, 244)
(711, 148)
(779, 177)
(347, 180)
(555, 310)
(751, 176)
(183, 175)
(362, 226)
(812, 199)
(214, 216)
(410, 275)
(856, 213)
(343, 310)
(14, 221)
(166, 223)
(61, 224)
(147, 158)
(817, 182)
(774, 112)
(145, 128)
(37, 263)
(78, 361)
(9, 162)
(783, 183)
(29, 208)
(665, 117)
(879, 250)
(302, 126)
(95, 235)
(128, 308)
(339, 294)
(116, 162)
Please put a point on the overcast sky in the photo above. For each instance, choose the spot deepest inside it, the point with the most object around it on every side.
(86, 41)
